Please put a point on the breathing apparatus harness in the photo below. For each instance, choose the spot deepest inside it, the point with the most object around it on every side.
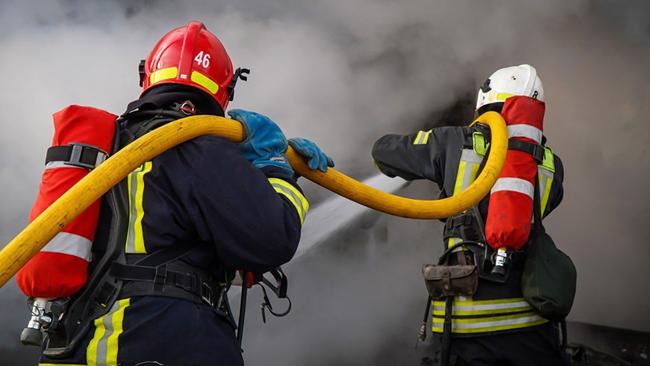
(116, 274)
(460, 266)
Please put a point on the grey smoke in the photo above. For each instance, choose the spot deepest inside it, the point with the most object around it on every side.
(344, 73)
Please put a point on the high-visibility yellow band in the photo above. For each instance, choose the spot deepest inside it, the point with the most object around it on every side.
(204, 81)
(485, 307)
(135, 236)
(548, 162)
(293, 195)
(422, 138)
(163, 74)
(103, 347)
(490, 324)
(545, 184)
(503, 96)
(460, 177)
(478, 144)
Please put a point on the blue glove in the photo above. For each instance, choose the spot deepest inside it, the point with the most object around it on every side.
(316, 158)
(265, 144)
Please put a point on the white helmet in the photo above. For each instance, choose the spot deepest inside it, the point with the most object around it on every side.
(509, 81)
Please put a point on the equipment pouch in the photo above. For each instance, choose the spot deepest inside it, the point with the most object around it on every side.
(450, 280)
(549, 279)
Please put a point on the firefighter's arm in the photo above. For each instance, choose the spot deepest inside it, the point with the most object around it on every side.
(252, 216)
(416, 156)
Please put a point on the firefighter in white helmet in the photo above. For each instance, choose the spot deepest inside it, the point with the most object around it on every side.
(491, 323)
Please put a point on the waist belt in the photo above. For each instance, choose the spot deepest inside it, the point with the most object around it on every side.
(171, 280)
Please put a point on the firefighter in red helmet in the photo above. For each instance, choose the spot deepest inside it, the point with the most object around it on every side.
(172, 235)
(489, 324)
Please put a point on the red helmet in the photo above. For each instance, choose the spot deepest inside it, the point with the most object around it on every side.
(193, 56)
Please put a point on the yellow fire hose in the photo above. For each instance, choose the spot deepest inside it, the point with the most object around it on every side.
(40, 231)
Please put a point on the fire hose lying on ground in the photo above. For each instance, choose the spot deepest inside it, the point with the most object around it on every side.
(89, 189)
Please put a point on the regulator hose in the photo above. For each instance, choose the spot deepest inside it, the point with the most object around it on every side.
(89, 189)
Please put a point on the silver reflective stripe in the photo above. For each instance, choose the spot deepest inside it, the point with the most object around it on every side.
(68, 243)
(422, 137)
(60, 164)
(490, 325)
(297, 199)
(473, 161)
(514, 185)
(484, 307)
(522, 130)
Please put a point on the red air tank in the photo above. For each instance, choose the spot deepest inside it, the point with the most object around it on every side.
(511, 200)
(60, 269)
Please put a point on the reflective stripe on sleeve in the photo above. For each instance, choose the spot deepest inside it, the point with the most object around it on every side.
(422, 138)
(514, 185)
(71, 244)
(103, 347)
(523, 130)
(293, 195)
(135, 237)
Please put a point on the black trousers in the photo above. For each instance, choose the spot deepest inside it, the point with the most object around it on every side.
(156, 331)
(537, 346)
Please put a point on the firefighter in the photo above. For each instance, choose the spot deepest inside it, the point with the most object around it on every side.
(495, 325)
(172, 234)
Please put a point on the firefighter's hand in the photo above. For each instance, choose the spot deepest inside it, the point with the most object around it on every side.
(265, 144)
(316, 158)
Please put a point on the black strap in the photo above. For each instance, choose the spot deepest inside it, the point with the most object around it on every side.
(536, 150)
(242, 307)
(446, 333)
(81, 155)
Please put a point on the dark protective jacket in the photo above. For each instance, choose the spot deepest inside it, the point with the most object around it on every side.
(233, 216)
(451, 157)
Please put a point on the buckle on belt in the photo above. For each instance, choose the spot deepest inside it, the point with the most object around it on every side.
(76, 154)
(207, 294)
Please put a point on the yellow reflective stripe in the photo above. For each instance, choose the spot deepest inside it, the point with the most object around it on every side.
(91, 351)
(422, 138)
(490, 324)
(478, 144)
(503, 96)
(163, 74)
(485, 307)
(204, 81)
(546, 193)
(135, 236)
(103, 348)
(548, 162)
(460, 177)
(293, 195)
